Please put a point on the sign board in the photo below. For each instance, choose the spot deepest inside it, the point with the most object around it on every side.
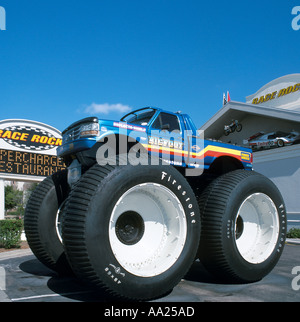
(28, 150)
(26, 163)
(283, 92)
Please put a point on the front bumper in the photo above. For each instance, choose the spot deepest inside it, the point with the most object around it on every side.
(71, 148)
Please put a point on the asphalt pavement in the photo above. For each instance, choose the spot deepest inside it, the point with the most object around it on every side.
(24, 279)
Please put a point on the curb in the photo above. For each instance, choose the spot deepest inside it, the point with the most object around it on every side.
(293, 241)
(15, 253)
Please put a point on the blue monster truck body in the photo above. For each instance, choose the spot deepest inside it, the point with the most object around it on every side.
(172, 137)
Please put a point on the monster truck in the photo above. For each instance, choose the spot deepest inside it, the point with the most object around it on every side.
(144, 197)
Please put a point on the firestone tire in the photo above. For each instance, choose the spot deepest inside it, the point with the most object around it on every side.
(41, 222)
(132, 230)
(243, 227)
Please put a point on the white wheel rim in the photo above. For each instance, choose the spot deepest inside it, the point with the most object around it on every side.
(158, 235)
(58, 221)
(257, 228)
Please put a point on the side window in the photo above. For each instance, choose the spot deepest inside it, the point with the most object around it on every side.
(157, 123)
(166, 122)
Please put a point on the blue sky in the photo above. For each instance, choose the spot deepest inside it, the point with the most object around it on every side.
(65, 60)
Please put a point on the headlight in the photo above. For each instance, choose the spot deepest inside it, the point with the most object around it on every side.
(91, 129)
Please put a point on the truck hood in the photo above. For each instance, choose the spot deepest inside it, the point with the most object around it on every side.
(106, 125)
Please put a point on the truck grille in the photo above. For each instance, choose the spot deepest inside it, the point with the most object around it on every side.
(71, 135)
(72, 132)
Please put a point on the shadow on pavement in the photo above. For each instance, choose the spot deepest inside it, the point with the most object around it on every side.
(66, 286)
(198, 273)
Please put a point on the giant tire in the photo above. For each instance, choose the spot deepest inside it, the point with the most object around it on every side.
(41, 222)
(132, 230)
(243, 227)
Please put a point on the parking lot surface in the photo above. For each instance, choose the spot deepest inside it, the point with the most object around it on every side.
(25, 279)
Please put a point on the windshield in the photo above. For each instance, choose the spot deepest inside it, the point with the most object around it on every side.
(139, 117)
(281, 134)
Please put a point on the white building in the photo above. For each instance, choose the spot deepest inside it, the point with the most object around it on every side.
(275, 107)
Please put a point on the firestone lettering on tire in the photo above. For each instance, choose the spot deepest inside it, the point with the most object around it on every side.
(165, 175)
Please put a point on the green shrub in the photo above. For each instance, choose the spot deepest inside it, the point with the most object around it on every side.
(10, 233)
(293, 233)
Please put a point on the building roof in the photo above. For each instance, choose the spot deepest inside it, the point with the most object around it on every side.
(282, 92)
(236, 110)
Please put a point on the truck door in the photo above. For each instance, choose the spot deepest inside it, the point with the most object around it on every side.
(165, 138)
(194, 143)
